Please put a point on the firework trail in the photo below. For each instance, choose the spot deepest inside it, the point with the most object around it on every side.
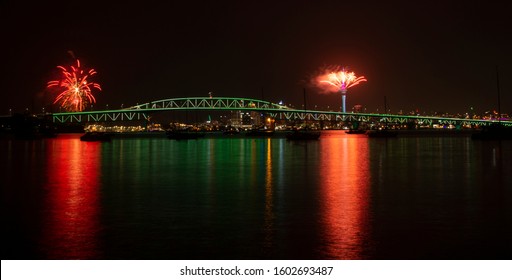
(77, 92)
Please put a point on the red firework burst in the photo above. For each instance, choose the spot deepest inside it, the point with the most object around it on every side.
(77, 92)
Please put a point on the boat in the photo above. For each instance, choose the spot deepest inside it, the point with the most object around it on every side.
(27, 127)
(306, 133)
(303, 134)
(381, 133)
(95, 136)
(356, 131)
(493, 132)
(184, 134)
(231, 131)
(260, 132)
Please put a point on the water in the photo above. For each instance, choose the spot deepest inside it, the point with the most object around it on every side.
(342, 197)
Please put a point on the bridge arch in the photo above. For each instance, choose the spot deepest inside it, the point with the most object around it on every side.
(209, 103)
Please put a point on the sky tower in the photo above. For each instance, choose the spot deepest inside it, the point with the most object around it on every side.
(343, 99)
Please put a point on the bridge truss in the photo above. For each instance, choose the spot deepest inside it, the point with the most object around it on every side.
(276, 111)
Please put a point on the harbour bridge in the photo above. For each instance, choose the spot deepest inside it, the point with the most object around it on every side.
(277, 111)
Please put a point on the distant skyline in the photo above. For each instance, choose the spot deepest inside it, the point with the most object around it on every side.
(430, 56)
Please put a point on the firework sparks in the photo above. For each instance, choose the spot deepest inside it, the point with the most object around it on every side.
(342, 80)
(338, 81)
(77, 94)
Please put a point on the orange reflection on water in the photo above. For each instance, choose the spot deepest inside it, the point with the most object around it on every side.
(71, 224)
(344, 182)
(269, 200)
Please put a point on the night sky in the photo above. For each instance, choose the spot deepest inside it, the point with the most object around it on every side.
(433, 56)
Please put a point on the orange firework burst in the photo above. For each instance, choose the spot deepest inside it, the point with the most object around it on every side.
(341, 79)
(338, 80)
(77, 94)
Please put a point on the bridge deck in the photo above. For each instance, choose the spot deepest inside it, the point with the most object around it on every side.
(277, 111)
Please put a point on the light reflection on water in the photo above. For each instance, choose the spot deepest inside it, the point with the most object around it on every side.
(344, 184)
(71, 210)
(268, 242)
(342, 197)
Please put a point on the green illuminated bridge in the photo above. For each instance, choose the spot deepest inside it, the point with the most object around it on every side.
(277, 111)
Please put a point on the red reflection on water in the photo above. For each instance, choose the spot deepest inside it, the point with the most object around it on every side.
(71, 222)
(345, 177)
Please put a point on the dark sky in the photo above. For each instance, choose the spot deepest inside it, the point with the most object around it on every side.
(428, 55)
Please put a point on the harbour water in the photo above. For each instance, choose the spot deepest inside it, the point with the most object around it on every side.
(341, 197)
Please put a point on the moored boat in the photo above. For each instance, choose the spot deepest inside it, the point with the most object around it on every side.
(264, 132)
(303, 134)
(92, 136)
(493, 132)
(356, 131)
(184, 134)
(231, 131)
(306, 133)
(381, 133)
